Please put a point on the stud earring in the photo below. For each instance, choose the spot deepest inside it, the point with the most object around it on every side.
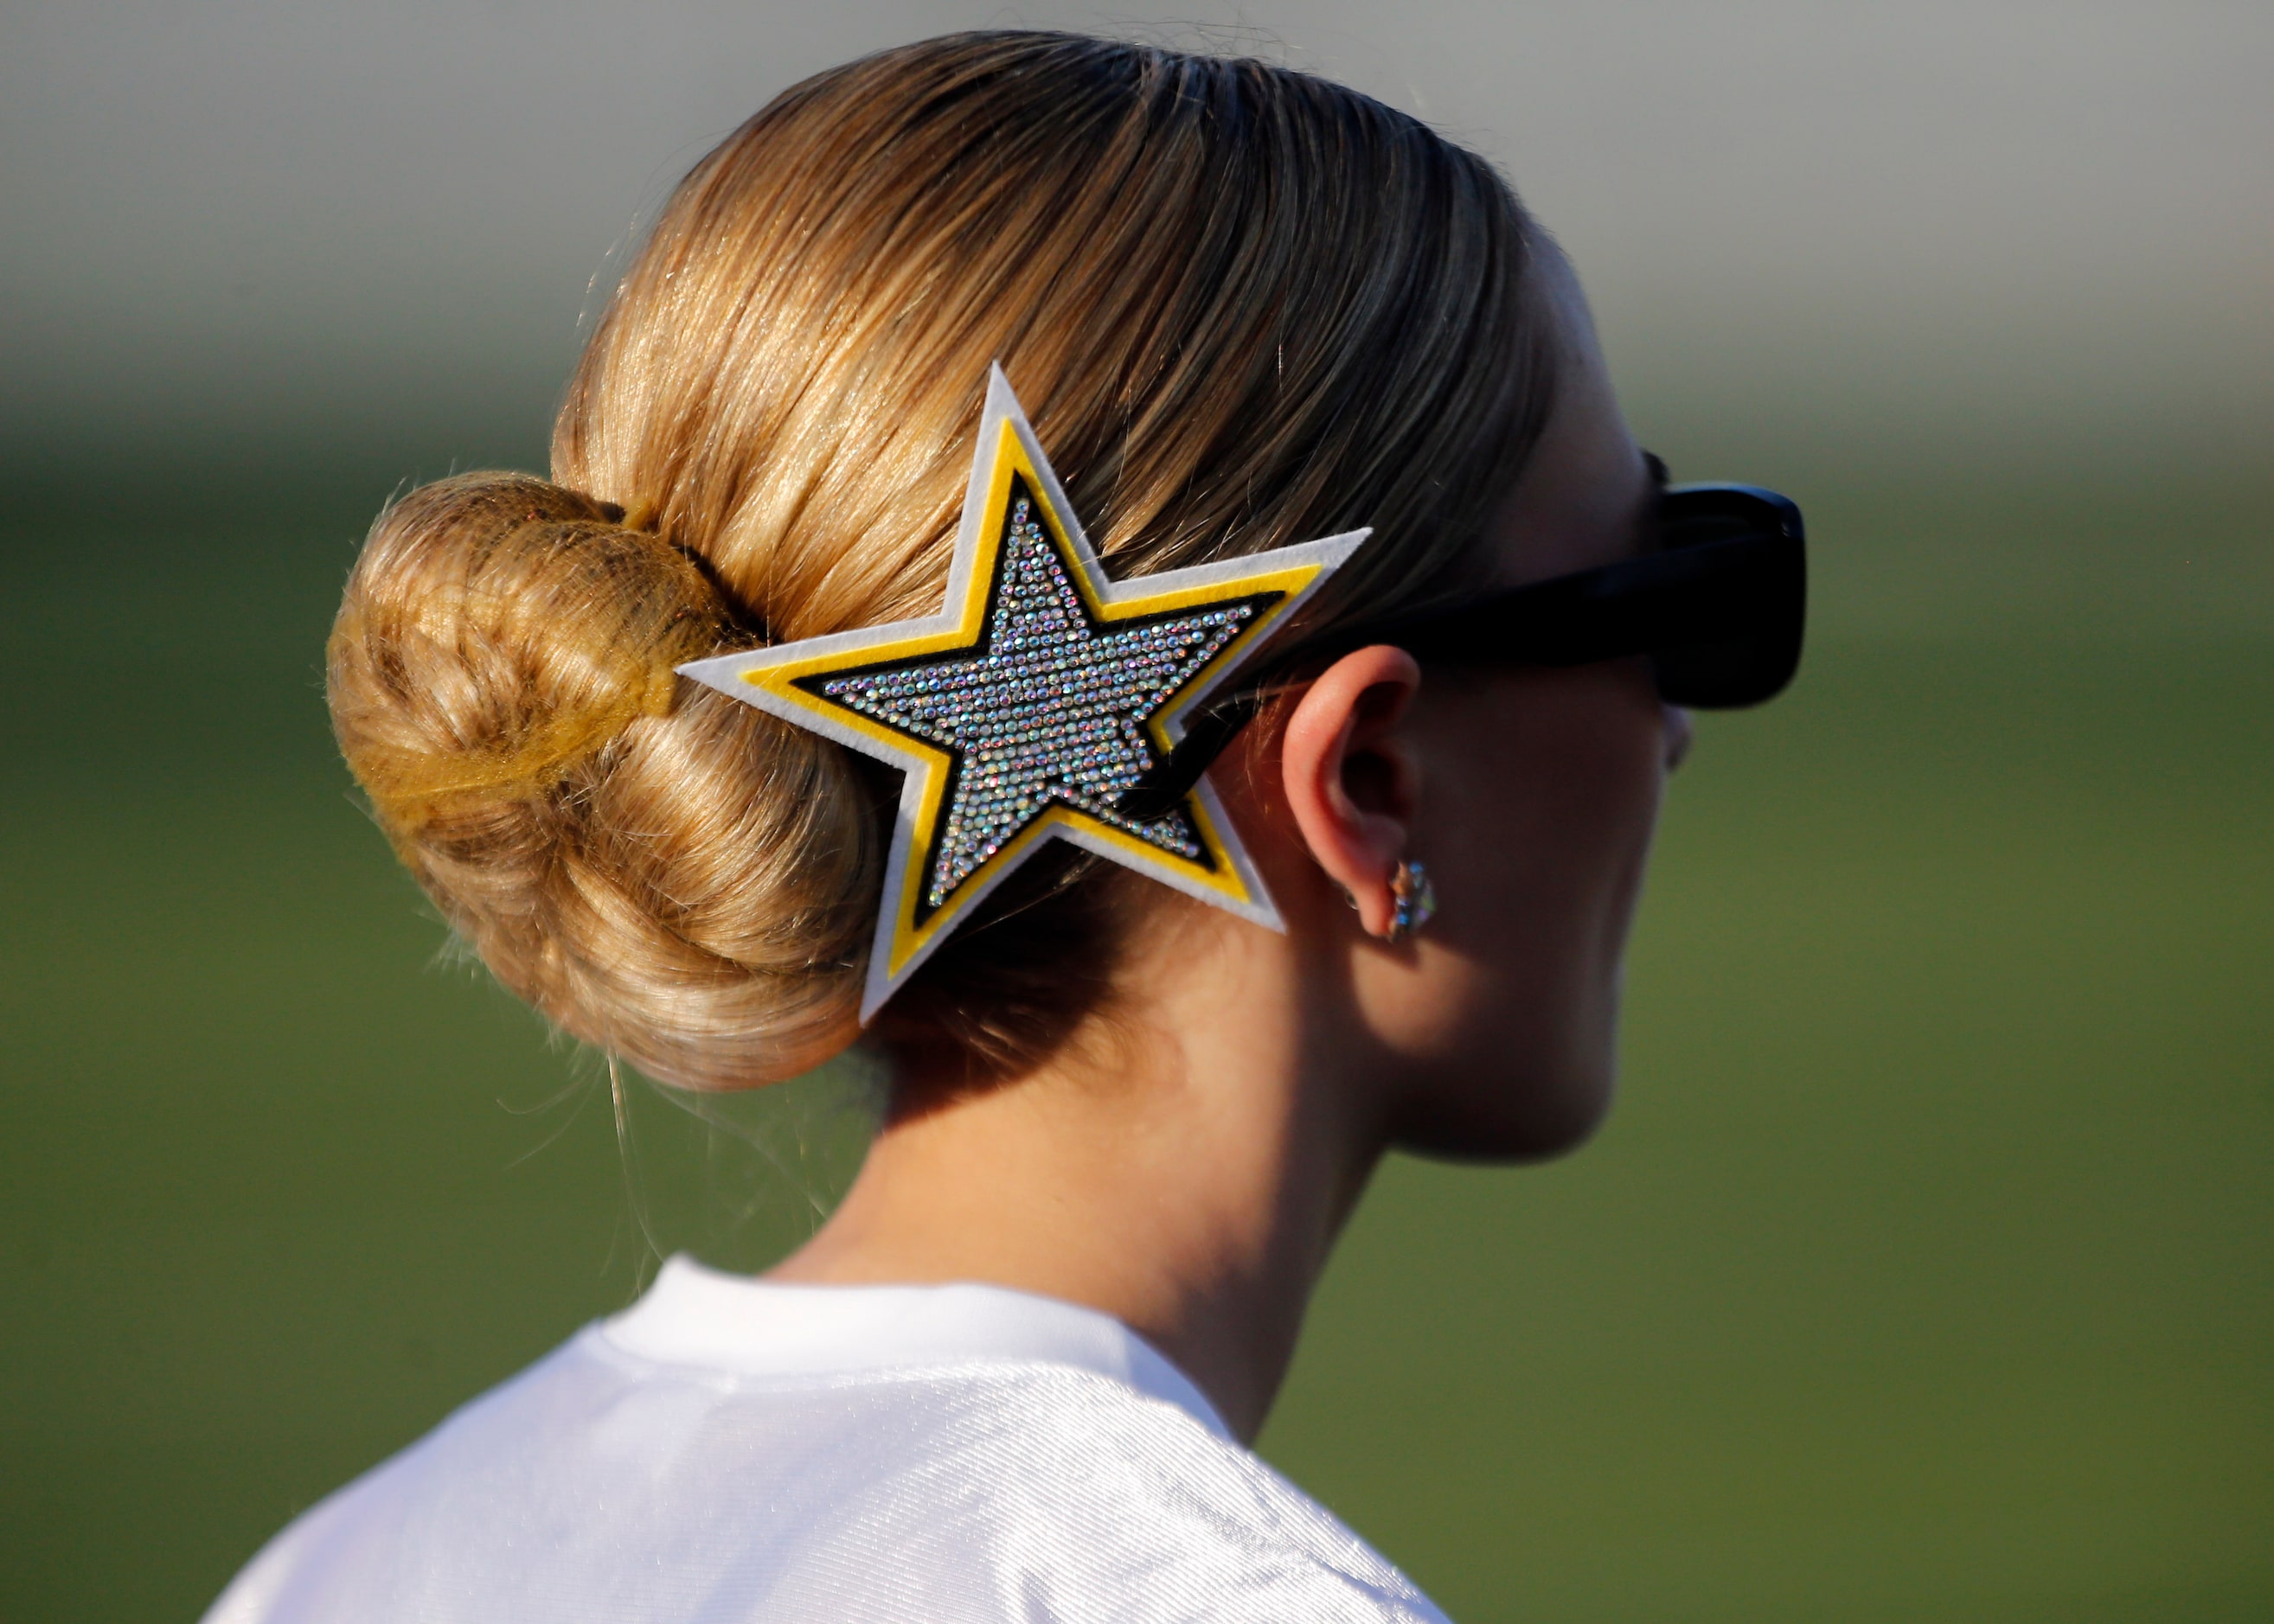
(1416, 900)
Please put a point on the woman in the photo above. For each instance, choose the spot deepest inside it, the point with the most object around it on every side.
(1243, 310)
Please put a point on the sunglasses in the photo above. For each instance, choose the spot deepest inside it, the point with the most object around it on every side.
(1718, 608)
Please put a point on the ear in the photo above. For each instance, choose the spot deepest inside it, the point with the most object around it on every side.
(1353, 776)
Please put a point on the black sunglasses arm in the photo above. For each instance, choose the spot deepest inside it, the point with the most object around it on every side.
(1703, 591)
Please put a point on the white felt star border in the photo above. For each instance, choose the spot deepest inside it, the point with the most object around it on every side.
(907, 932)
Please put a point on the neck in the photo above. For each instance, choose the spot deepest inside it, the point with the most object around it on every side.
(1185, 1168)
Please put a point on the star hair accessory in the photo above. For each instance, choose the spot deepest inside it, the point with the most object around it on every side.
(1030, 706)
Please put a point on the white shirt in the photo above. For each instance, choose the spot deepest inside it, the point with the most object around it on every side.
(728, 1451)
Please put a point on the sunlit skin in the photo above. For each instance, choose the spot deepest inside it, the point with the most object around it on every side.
(1185, 1164)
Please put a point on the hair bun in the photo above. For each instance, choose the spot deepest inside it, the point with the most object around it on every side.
(675, 876)
(536, 603)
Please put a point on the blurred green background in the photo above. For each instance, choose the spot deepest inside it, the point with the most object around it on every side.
(1926, 1268)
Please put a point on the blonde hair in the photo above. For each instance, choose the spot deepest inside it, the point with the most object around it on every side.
(1242, 306)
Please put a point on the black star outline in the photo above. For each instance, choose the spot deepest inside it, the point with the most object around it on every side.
(1183, 814)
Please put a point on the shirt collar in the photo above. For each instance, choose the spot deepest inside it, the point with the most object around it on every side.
(694, 1314)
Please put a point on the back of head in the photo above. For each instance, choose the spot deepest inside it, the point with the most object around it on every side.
(1242, 306)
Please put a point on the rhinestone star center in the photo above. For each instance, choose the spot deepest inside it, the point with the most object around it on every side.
(1051, 709)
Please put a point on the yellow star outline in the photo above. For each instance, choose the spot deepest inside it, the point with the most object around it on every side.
(780, 680)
